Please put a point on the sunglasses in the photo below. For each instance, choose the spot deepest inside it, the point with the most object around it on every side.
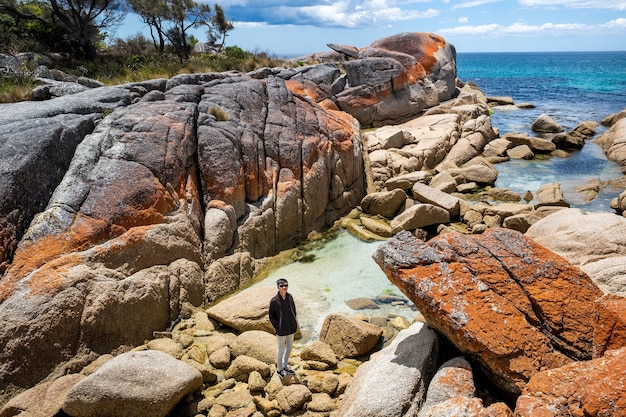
(283, 285)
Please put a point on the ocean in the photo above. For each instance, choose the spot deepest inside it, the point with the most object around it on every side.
(571, 87)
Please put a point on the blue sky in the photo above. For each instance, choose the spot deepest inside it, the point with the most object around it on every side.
(288, 28)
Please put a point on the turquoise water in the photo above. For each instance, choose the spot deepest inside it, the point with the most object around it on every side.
(572, 87)
(343, 269)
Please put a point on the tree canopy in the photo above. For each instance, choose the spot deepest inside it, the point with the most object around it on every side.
(77, 26)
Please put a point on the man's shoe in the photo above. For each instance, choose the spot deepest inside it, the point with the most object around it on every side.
(281, 373)
(289, 371)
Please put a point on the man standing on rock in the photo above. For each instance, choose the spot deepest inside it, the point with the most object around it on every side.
(283, 317)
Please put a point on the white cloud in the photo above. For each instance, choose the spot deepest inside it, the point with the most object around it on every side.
(463, 19)
(516, 29)
(369, 13)
(615, 24)
(576, 4)
(473, 3)
(250, 25)
(472, 30)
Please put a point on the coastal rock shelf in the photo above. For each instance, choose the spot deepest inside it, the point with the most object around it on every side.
(126, 210)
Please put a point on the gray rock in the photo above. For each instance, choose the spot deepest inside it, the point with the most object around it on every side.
(347, 50)
(546, 124)
(478, 170)
(243, 365)
(611, 143)
(520, 152)
(384, 203)
(320, 352)
(568, 141)
(362, 303)
(406, 181)
(43, 400)
(550, 195)
(497, 147)
(580, 237)
(245, 311)
(420, 215)
(293, 397)
(402, 368)
(429, 195)
(256, 344)
(133, 384)
(349, 337)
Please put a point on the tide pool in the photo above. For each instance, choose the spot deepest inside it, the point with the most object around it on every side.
(343, 269)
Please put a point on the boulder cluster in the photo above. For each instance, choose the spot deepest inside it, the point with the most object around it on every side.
(135, 201)
(438, 172)
(127, 210)
(219, 362)
(536, 325)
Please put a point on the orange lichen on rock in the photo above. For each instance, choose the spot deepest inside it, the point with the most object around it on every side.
(499, 297)
(610, 329)
(587, 388)
(309, 91)
(428, 59)
(51, 276)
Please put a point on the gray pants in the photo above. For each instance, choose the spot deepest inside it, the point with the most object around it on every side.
(285, 343)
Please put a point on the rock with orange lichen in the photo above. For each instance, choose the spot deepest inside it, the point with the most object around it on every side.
(274, 166)
(34, 154)
(588, 388)
(170, 202)
(452, 392)
(397, 77)
(610, 329)
(501, 298)
(117, 252)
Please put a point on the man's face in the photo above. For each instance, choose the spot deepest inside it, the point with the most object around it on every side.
(282, 288)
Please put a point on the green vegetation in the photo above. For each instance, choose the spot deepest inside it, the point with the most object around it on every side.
(74, 31)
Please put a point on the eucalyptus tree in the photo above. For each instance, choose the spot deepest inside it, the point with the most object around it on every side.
(154, 14)
(220, 26)
(85, 20)
(172, 20)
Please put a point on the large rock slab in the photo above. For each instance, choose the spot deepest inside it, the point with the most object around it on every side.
(499, 297)
(393, 382)
(37, 142)
(245, 311)
(398, 76)
(589, 388)
(133, 384)
(117, 252)
(349, 337)
(275, 161)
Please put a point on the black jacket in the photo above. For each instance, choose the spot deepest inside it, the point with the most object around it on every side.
(283, 314)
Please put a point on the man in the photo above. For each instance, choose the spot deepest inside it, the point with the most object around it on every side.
(283, 317)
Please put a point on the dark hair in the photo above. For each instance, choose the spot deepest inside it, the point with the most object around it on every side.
(281, 281)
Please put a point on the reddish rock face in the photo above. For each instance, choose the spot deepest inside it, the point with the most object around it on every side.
(420, 45)
(610, 330)
(590, 388)
(398, 76)
(499, 297)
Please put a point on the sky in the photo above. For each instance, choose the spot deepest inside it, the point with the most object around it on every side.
(288, 28)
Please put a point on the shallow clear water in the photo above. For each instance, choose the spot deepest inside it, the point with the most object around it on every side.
(571, 87)
(343, 269)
